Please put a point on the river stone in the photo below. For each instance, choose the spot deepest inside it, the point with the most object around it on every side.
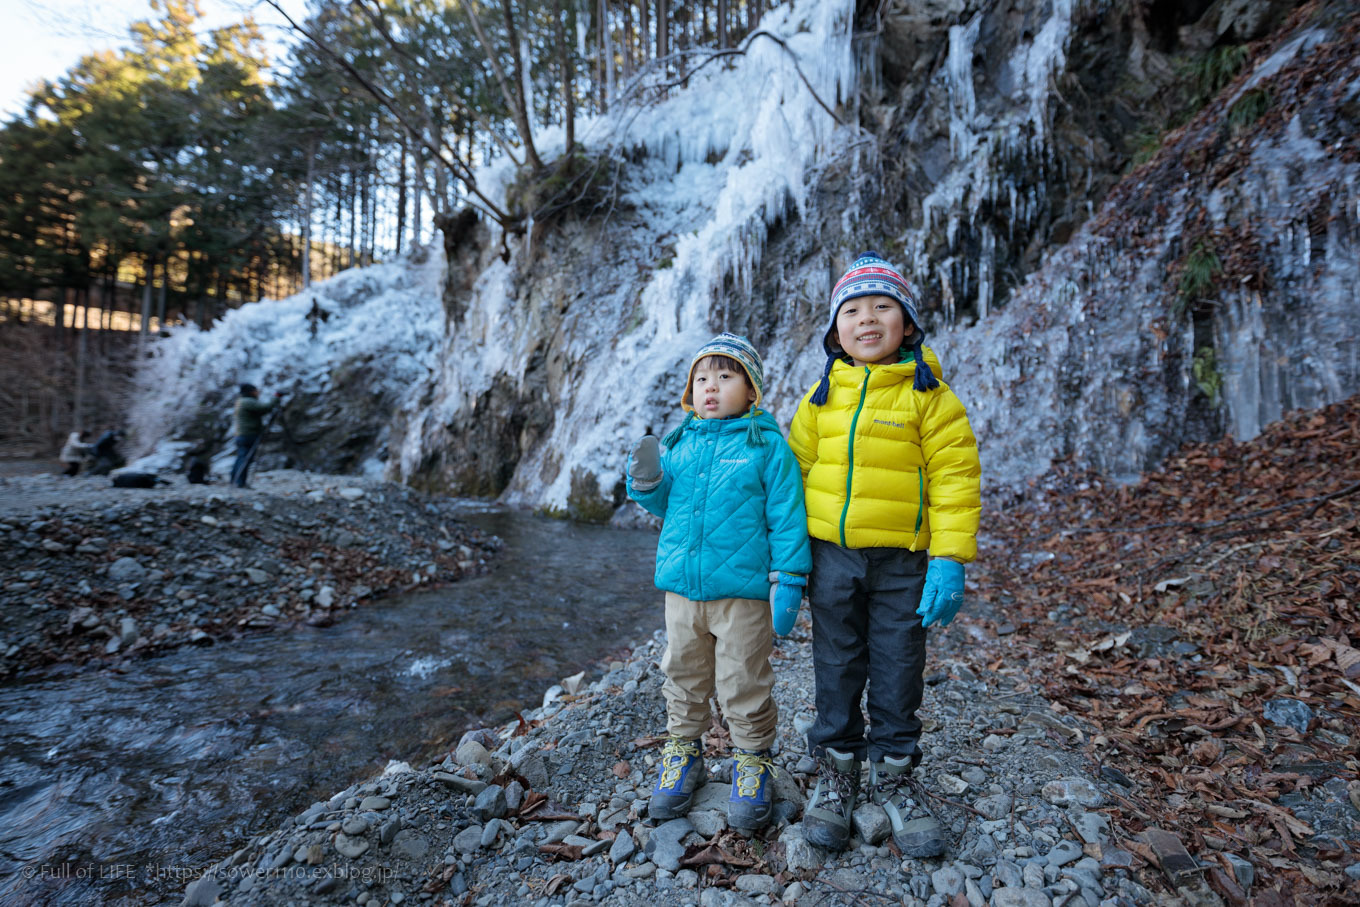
(1092, 827)
(535, 771)
(126, 570)
(664, 845)
(555, 832)
(256, 576)
(470, 752)
(1020, 897)
(871, 823)
(325, 596)
(1008, 874)
(409, 845)
(1243, 871)
(997, 806)
(468, 840)
(1072, 791)
(1064, 852)
(350, 493)
(374, 802)
(202, 893)
(622, 848)
(798, 853)
(355, 826)
(389, 830)
(708, 822)
(757, 883)
(490, 803)
(350, 847)
(947, 880)
(514, 796)
(1283, 712)
(458, 782)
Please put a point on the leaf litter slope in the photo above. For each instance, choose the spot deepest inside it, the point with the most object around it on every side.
(1178, 616)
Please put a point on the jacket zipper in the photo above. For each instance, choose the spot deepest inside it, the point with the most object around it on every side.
(850, 465)
(920, 498)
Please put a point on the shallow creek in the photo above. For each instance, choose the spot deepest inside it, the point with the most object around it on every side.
(114, 786)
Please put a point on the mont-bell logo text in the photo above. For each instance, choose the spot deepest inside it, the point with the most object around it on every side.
(889, 423)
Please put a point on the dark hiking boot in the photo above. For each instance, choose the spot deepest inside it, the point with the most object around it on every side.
(922, 836)
(682, 773)
(826, 821)
(752, 802)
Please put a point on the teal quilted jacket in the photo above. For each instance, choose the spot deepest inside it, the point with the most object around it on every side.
(733, 510)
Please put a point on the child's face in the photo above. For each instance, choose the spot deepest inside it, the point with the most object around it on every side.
(720, 392)
(871, 329)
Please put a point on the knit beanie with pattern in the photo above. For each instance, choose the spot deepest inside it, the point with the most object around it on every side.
(870, 275)
(733, 347)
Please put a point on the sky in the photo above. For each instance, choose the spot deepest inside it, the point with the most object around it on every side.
(42, 39)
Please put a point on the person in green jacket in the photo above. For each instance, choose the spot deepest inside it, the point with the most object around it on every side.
(248, 423)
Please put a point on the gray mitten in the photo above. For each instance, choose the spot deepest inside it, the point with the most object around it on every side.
(644, 466)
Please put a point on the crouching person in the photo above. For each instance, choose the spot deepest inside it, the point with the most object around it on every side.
(733, 542)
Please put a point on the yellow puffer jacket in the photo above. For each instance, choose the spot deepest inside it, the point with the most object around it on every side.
(888, 466)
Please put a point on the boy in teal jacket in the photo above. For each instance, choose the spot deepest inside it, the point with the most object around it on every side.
(734, 537)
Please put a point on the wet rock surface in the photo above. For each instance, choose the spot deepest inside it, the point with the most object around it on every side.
(91, 574)
(1023, 819)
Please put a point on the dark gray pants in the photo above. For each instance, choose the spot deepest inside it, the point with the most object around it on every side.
(865, 628)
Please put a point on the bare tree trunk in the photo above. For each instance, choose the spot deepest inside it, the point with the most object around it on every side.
(148, 267)
(722, 24)
(512, 91)
(418, 214)
(663, 38)
(604, 53)
(564, 64)
(307, 215)
(401, 194)
(165, 285)
(79, 403)
(627, 39)
(644, 30)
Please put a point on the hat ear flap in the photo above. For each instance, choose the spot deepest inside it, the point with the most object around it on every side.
(819, 396)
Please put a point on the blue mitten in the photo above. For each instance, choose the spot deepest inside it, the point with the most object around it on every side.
(943, 593)
(786, 597)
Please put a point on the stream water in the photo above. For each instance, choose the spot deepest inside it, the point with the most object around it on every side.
(115, 786)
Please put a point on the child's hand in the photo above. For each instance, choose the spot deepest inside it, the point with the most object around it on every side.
(644, 464)
(943, 593)
(786, 597)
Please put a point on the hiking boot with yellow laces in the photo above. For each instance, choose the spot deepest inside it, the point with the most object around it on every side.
(919, 837)
(826, 821)
(752, 802)
(682, 773)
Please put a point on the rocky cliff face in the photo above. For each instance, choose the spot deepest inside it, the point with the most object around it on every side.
(1084, 307)
(1132, 225)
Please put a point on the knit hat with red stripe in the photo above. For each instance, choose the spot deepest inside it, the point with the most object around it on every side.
(870, 275)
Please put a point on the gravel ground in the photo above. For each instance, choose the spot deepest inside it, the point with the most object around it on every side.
(91, 574)
(553, 812)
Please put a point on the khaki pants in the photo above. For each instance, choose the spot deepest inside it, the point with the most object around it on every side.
(720, 646)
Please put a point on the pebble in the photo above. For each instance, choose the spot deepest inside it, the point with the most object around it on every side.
(1064, 852)
(468, 840)
(871, 823)
(350, 847)
(947, 881)
(665, 847)
(1020, 897)
(622, 848)
(1072, 792)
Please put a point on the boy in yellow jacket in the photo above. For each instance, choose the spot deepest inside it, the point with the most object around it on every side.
(891, 474)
